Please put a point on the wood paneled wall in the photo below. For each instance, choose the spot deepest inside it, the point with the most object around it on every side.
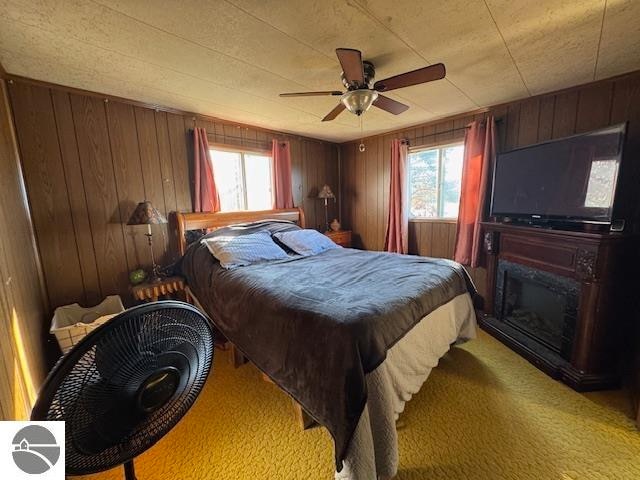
(365, 176)
(88, 160)
(22, 306)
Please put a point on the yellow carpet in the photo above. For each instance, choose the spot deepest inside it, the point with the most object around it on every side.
(484, 414)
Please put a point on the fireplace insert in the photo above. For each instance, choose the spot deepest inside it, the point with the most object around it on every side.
(539, 304)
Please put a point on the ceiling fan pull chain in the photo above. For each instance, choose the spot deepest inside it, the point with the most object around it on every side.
(361, 147)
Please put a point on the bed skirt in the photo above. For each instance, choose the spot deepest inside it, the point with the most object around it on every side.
(373, 451)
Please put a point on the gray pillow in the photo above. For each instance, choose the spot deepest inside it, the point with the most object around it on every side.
(237, 251)
(306, 242)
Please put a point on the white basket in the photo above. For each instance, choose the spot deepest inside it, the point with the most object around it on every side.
(71, 323)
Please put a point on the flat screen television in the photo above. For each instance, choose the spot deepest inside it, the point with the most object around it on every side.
(567, 180)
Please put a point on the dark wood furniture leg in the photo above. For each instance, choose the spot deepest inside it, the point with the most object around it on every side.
(237, 358)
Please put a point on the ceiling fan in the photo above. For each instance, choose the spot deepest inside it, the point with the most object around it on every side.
(357, 76)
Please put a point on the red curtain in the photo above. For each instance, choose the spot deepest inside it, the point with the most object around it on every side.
(205, 198)
(282, 185)
(397, 236)
(479, 152)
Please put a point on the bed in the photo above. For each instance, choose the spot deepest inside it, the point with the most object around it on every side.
(351, 350)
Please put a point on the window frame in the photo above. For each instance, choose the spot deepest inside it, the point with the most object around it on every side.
(439, 205)
(242, 151)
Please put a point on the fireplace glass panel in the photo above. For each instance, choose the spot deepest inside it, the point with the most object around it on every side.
(535, 309)
(540, 304)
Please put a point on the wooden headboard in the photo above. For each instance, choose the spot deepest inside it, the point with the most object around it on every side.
(184, 222)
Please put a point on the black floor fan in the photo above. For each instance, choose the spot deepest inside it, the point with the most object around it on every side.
(126, 384)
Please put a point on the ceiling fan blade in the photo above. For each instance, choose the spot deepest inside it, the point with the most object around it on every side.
(334, 113)
(389, 105)
(311, 94)
(415, 77)
(351, 62)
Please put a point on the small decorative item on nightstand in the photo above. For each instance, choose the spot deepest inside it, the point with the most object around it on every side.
(341, 237)
(335, 225)
(149, 292)
(137, 276)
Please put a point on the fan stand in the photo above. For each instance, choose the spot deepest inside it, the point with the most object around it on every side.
(129, 470)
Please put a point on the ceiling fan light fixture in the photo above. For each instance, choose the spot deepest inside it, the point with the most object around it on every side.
(359, 101)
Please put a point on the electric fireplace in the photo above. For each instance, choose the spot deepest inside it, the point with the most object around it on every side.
(562, 299)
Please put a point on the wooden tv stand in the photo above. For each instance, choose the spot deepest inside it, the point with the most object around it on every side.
(596, 270)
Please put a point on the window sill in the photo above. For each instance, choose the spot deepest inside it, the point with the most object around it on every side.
(432, 220)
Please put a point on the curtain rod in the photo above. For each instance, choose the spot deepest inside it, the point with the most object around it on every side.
(451, 130)
(242, 140)
(247, 140)
(280, 136)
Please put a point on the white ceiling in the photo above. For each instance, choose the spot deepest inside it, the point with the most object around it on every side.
(231, 58)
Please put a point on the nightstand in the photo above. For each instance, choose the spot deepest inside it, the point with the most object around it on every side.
(149, 292)
(341, 237)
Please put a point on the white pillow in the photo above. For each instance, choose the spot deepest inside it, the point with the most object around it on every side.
(306, 242)
(240, 250)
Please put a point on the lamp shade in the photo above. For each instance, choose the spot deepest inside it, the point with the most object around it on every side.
(146, 214)
(326, 192)
(359, 101)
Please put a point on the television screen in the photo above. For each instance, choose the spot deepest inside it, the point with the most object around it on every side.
(572, 178)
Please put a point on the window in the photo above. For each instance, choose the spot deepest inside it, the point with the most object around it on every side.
(435, 176)
(243, 180)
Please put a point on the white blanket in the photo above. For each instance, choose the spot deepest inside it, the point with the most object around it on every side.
(373, 451)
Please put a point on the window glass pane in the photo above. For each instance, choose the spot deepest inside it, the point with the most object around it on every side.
(423, 181)
(227, 167)
(451, 180)
(258, 180)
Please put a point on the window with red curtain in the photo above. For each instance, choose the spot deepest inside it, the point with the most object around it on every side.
(244, 178)
(434, 179)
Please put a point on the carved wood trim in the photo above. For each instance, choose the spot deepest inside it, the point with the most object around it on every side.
(491, 242)
(586, 264)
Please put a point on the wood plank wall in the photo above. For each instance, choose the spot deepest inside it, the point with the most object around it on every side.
(365, 176)
(88, 160)
(22, 305)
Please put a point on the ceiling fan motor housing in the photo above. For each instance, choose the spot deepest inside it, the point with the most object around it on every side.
(369, 75)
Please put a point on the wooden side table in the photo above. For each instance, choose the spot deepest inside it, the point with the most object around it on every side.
(149, 292)
(341, 237)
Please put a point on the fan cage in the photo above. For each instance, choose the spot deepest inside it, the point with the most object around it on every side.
(92, 388)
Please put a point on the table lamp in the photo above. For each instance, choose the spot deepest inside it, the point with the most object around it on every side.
(326, 194)
(146, 214)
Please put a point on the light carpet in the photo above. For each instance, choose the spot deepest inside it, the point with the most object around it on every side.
(484, 414)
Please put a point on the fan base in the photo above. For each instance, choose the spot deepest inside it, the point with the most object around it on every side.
(129, 471)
